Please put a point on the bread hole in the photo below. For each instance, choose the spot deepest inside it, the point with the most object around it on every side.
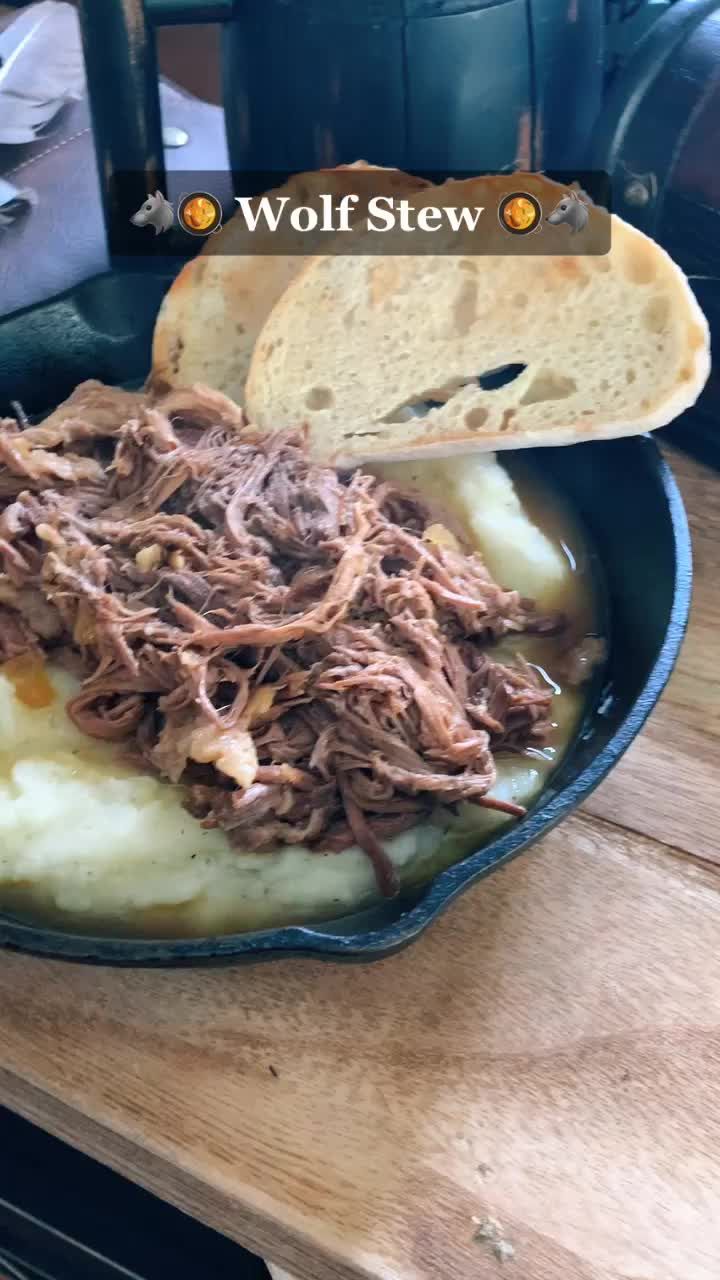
(319, 398)
(469, 265)
(548, 385)
(494, 379)
(239, 328)
(657, 313)
(630, 376)
(507, 417)
(604, 385)
(520, 300)
(476, 418)
(465, 308)
(432, 398)
(349, 318)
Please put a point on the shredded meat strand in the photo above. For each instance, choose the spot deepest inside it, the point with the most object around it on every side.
(279, 639)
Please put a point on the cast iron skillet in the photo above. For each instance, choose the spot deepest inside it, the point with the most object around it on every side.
(624, 492)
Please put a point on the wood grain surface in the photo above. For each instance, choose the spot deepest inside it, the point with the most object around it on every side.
(548, 1055)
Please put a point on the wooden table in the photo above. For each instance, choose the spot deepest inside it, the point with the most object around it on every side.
(548, 1055)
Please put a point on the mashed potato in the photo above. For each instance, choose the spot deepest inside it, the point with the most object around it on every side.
(88, 838)
(481, 495)
(82, 835)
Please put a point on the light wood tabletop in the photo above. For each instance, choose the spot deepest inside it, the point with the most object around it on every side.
(545, 1058)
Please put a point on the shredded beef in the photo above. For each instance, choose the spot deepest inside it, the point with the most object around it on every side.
(283, 641)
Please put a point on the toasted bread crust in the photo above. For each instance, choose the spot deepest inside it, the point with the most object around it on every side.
(211, 316)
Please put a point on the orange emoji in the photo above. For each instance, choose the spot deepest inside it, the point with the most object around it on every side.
(199, 213)
(520, 213)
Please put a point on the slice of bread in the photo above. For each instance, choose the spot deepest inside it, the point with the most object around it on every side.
(600, 346)
(214, 310)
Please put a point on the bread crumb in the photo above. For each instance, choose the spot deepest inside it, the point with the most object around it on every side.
(503, 1250)
(488, 1229)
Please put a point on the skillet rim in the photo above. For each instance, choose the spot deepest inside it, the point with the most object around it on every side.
(320, 941)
